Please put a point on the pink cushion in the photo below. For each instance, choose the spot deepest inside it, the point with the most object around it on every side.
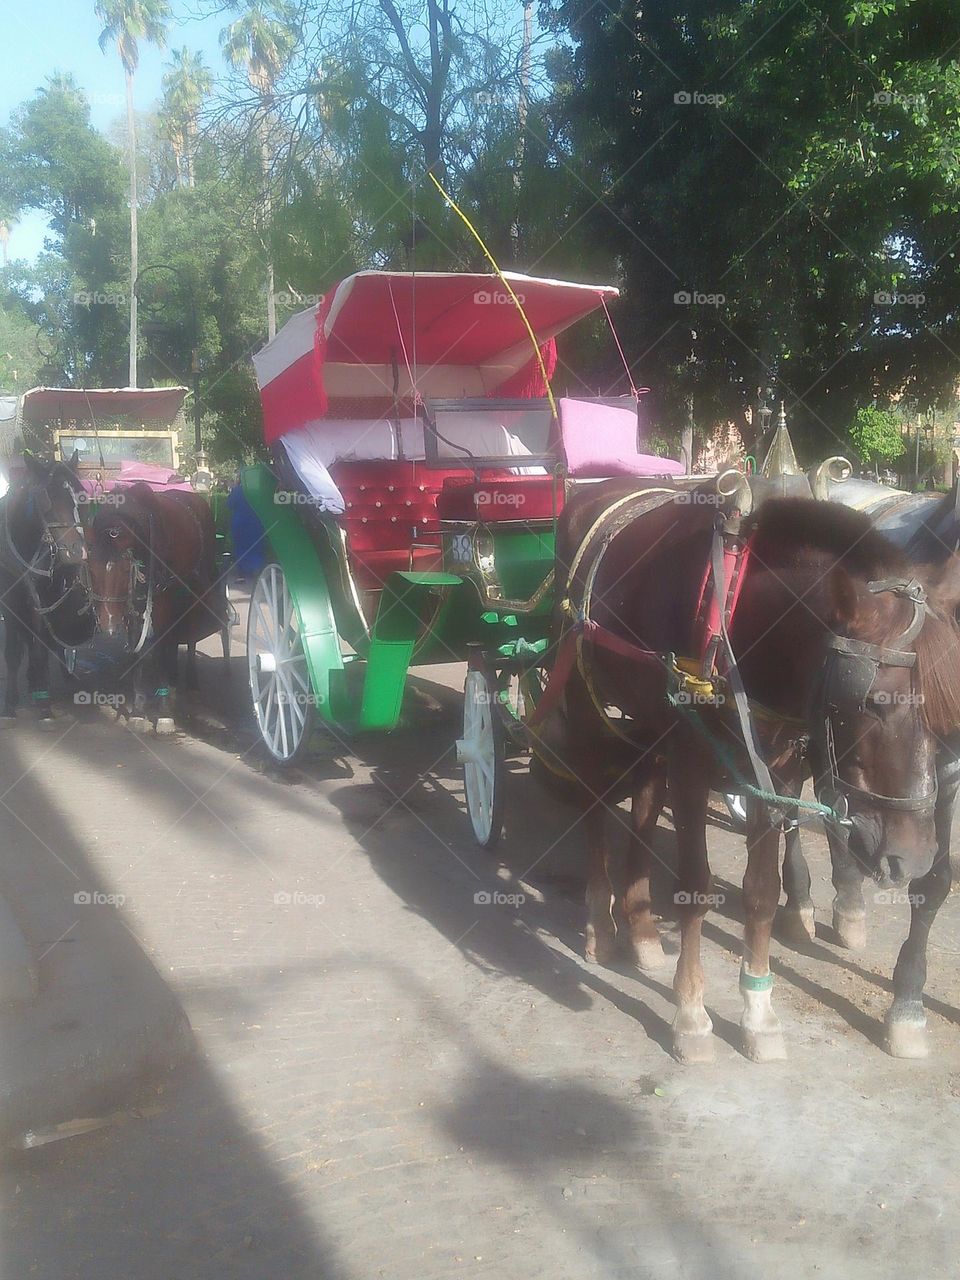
(601, 440)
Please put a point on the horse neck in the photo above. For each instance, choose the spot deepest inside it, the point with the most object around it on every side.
(24, 526)
(779, 633)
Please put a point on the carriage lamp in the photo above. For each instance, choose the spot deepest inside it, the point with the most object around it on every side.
(765, 413)
(202, 478)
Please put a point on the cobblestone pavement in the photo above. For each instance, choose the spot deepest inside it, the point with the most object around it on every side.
(396, 1080)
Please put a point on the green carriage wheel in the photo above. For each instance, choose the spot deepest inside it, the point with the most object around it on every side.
(283, 700)
(481, 752)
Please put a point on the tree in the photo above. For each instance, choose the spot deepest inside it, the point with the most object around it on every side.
(186, 82)
(260, 41)
(877, 435)
(54, 161)
(782, 180)
(125, 24)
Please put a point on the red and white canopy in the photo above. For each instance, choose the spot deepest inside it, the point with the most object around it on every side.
(437, 334)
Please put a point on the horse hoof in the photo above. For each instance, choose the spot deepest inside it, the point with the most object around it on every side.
(763, 1046)
(599, 952)
(796, 925)
(906, 1037)
(648, 954)
(165, 726)
(850, 928)
(693, 1036)
(691, 1048)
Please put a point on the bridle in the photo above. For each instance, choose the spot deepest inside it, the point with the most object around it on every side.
(849, 673)
(47, 557)
(137, 574)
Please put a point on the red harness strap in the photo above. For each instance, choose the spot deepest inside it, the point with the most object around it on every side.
(567, 657)
(736, 556)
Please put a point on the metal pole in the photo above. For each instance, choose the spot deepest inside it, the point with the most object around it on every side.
(195, 365)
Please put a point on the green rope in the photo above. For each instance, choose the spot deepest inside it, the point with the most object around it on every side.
(727, 760)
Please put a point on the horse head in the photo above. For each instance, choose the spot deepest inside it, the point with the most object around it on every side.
(43, 516)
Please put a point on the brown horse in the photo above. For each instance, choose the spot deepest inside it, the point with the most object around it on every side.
(154, 587)
(816, 572)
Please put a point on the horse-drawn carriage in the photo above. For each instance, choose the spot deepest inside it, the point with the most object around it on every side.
(421, 466)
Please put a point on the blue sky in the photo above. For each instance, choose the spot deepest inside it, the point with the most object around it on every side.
(61, 35)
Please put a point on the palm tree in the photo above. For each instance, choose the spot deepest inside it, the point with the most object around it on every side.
(186, 83)
(125, 24)
(260, 41)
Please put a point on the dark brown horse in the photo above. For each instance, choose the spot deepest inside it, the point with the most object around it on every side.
(42, 591)
(816, 572)
(154, 587)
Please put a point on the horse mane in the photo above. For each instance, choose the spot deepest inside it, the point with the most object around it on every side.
(798, 524)
(938, 668)
(793, 525)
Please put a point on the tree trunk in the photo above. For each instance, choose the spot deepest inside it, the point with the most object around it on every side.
(134, 246)
(267, 209)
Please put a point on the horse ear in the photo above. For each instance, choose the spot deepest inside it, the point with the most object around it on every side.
(844, 597)
(944, 590)
(74, 462)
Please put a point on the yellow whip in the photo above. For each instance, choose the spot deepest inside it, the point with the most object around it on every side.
(506, 284)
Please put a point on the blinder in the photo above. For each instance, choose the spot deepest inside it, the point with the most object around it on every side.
(849, 673)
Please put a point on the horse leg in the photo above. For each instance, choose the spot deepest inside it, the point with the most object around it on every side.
(643, 937)
(192, 679)
(38, 679)
(761, 1036)
(601, 933)
(689, 774)
(13, 656)
(905, 1026)
(160, 670)
(796, 919)
(849, 911)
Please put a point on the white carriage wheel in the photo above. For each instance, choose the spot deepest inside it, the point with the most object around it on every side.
(480, 751)
(280, 687)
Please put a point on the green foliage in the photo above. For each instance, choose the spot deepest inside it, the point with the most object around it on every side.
(877, 434)
(795, 164)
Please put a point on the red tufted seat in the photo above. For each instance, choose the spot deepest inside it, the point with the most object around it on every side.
(389, 506)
